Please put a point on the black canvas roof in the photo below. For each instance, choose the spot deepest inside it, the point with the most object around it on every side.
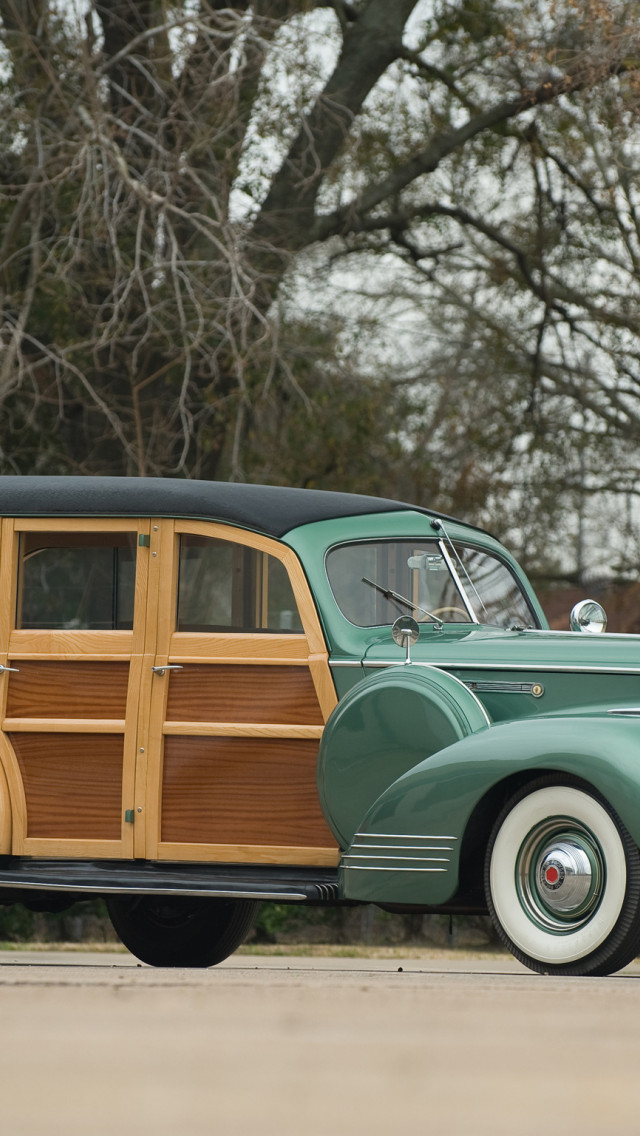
(269, 509)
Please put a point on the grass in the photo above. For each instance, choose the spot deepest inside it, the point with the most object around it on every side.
(337, 950)
(278, 950)
(93, 948)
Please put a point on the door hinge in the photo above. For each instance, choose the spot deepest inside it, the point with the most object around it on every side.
(144, 540)
(129, 816)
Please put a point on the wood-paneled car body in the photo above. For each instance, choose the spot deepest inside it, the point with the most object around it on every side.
(217, 694)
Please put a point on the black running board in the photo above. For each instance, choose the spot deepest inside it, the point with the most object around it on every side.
(219, 881)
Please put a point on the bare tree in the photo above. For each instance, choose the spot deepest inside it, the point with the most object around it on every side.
(166, 167)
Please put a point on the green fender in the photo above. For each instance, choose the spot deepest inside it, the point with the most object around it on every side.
(383, 727)
(408, 846)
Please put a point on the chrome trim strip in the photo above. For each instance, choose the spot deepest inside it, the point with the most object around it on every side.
(121, 889)
(344, 663)
(362, 868)
(400, 836)
(414, 859)
(572, 634)
(506, 688)
(627, 711)
(533, 666)
(408, 847)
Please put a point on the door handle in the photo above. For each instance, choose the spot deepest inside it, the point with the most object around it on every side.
(167, 667)
(16, 670)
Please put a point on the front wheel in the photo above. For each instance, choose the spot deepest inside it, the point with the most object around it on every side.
(181, 930)
(562, 881)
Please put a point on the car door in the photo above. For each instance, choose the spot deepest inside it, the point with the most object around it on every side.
(72, 634)
(239, 690)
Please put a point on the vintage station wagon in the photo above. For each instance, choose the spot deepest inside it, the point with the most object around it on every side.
(216, 694)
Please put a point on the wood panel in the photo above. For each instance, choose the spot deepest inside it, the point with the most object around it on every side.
(237, 730)
(219, 693)
(267, 648)
(72, 784)
(251, 854)
(68, 690)
(242, 791)
(116, 645)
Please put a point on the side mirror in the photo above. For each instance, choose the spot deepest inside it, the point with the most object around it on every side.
(590, 616)
(405, 631)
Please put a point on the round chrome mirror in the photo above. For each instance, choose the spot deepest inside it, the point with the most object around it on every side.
(590, 616)
(405, 631)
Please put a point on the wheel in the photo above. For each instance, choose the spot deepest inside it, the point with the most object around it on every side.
(181, 930)
(562, 880)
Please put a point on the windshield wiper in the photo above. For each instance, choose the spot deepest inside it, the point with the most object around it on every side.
(391, 595)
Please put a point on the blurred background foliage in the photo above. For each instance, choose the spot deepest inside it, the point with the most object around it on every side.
(277, 925)
(355, 245)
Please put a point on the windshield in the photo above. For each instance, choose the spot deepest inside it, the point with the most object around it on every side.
(376, 581)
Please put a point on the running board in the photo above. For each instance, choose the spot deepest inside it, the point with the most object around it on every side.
(219, 881)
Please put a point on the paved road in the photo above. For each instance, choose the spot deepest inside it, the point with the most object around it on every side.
(95, 1044)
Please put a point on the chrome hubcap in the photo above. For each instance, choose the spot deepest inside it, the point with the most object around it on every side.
(560, 875)
(565, 876)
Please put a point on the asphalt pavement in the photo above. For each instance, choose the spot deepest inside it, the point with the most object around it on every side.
(98, 1044)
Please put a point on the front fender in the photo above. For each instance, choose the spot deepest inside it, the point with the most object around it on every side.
(408, 846)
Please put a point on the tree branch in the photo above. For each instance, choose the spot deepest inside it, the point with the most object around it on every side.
(370, 45)
(349, 218)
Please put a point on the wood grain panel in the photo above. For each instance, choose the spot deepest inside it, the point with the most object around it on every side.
(110, 645)
(240, 648)
(219, 693)
(242, 791)
(72, 784)
(68, 690)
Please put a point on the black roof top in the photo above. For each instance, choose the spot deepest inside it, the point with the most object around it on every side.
(270, 509)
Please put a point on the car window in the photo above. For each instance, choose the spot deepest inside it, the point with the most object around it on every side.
(224, 586)
(494, 593)
(376, 581)
(76, 581)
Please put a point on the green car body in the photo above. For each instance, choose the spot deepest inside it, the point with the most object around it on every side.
(419, 757)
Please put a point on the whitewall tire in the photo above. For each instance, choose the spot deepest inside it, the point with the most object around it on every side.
(562, 880)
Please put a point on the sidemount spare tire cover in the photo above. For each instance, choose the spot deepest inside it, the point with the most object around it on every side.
(382, 728)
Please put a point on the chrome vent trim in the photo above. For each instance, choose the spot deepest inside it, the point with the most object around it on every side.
(400, 852)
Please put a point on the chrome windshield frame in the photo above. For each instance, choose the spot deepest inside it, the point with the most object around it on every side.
(458, 583)
(438, 524)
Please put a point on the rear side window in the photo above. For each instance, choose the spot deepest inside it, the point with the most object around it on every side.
(76, 581)
(225, 586)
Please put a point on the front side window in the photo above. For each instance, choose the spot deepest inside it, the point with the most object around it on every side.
(225, 586)
(76, 581)
(376, 581)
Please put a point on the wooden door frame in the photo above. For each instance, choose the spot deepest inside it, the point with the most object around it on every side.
(233, 648)
(64, 645)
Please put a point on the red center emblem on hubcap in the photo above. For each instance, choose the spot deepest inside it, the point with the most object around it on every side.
(552, 875)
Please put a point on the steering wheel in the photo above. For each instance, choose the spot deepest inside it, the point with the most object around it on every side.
(450, 610)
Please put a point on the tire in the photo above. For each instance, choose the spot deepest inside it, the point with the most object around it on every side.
(562, 880)
(181, 930)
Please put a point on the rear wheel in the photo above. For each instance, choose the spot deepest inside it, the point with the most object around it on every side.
(181, 930)
(562, 881)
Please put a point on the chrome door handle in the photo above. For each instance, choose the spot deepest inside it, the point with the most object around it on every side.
(167, 667)
(16, 670)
